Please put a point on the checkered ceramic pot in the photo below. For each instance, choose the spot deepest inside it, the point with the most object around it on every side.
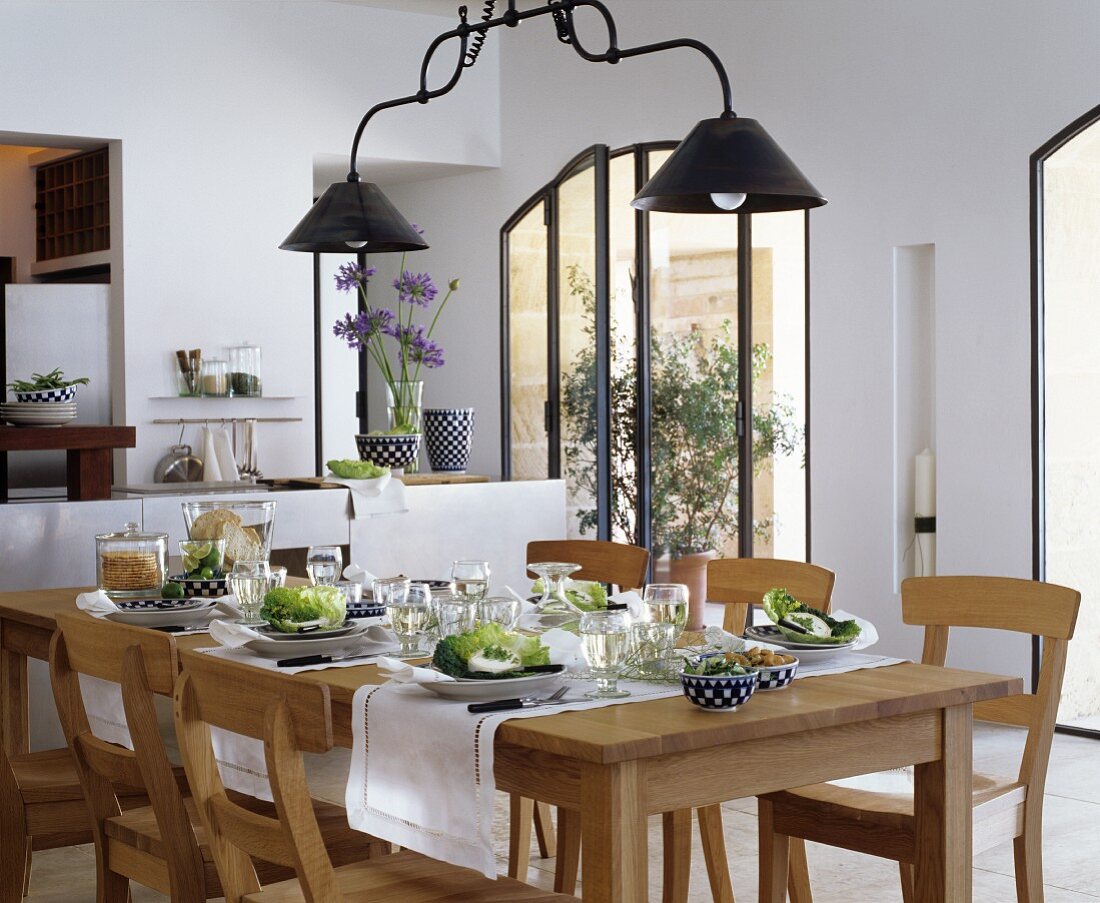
(449, 433)
(719, 692)
(778, 677)
(196, 587)
(388, 451)
(46, 396)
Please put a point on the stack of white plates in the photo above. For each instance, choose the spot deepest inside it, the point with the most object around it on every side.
(31, 413)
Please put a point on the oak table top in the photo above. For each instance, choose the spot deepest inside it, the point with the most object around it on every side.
(619, 763)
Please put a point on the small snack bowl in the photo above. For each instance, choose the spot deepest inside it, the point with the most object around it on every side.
(388, 451)
(719, 692)
(776, 677)
(47, 396)
(199, 587)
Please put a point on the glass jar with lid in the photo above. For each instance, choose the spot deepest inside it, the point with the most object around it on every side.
(131, 563)
(244, 370)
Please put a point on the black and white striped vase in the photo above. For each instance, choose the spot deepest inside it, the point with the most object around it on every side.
(448, 433)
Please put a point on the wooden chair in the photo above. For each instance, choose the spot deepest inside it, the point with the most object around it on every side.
(736, 583)
(1005, 809)
(624, 566)
(293, 717)
(155, 844)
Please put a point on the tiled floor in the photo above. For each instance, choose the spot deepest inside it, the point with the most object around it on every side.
(1071, 844)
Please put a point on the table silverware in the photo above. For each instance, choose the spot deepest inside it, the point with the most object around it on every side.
(521, 702)
(303, 660)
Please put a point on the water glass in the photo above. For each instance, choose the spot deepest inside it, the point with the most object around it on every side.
(249, 581)
(470, 579)
(408, 617)
(352, 590)
(653, 642)
(502, 610)
(324, 564)
(667, 603)
(606, 638)
(278, 576)
(454, 614)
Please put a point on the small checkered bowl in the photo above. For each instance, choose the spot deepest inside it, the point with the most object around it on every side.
(196, 587)
(719, 692)
(47, 396)
(777, 677)
(388, 451)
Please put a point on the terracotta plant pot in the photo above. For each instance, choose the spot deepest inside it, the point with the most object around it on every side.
(690, 570)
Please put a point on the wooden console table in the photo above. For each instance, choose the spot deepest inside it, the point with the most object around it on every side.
(88, 450)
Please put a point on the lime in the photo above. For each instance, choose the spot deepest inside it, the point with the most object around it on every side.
(191, 563)
(207, 573)
(213, 560)
(198, 549)
(172, 591)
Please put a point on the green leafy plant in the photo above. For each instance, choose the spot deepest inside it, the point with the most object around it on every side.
(55, 379)
(694, 442)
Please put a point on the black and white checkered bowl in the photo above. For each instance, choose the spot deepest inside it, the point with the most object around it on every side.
(719, 692)
(196, 587)
(777, 677)
(388, 451)
(47, 396)
(449, 433)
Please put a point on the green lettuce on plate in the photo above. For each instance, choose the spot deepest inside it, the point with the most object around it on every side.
(822, 629)
(354, 469)
(488, 652)
(287, 608)
(587, 595)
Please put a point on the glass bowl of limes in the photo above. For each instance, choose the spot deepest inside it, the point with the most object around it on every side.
(203, 567)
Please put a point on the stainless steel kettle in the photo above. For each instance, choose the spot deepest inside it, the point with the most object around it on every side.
(178, 466)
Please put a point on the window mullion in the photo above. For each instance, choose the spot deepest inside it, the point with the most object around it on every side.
(553, 337)
(744, 385)
(643, 529)
(603, 342)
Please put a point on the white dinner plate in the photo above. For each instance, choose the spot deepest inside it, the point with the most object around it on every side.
(282, 637)
(188, 613)
(805, 652)
(322, 645)
(468, 690)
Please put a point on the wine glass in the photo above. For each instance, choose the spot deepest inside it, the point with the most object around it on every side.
(606, 638)
(249, 581)
(470, 579)
(408, 616)
(502, 610)
(667, 603)
(324, 564)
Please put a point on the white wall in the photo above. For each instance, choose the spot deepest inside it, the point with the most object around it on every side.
(220, 108)
(916, 119)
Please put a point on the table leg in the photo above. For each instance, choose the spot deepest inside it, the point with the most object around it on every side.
(614, 857)
(14, 723)
(89, 473)
(944, 814)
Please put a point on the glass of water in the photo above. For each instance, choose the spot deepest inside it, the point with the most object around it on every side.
(470, 579)
(667, 603)
(653, 643)
(454, 614)
(324, 564)
(249, 581)
(408, 616)
(353, 592)
(606, 638)
(502, 610)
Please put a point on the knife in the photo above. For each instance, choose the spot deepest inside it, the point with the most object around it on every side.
(791, 625)
(303, 660)
(504, 705)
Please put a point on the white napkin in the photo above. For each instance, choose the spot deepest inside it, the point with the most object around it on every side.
(96, 603)
(211, 473)
(566, 648)
(223, 454)
(868, 635)
(633, 602)
(371, 498)
(359, 575)
(526, 606)
(233, 635)
(404, 676)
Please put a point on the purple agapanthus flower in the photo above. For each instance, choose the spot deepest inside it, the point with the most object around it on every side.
(360, 328)
(352, 276)
(415, 288)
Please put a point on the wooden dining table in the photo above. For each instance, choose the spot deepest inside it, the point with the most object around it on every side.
(618, 765)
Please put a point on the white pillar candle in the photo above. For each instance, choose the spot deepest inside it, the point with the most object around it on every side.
(924, 564)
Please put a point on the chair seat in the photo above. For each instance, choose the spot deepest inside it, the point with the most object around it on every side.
(47, 776)
(408, 877)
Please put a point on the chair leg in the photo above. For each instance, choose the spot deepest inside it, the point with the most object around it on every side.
(521, 812)
(544, 831)
(798, 872)
(713, 837)
(677, 867)
(1027, 850)
(15, 856)
(908, 886)
(569, 852)
(774, 853)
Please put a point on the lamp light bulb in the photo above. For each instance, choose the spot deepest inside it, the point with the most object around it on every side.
(728, 200)
(356, 244)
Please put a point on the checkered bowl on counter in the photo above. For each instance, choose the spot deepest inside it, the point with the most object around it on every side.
(719, 692)
(777, 677)
(47, 396)
(388, 451)
(196, 587)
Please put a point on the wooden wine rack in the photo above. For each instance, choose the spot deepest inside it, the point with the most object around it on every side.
(73, 210)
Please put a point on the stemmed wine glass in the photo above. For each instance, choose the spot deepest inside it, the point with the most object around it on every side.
(470, 579)
(554, 608)
(249, 581)
(408, 616)
(606, 638)
(324, 564)
(667, 603)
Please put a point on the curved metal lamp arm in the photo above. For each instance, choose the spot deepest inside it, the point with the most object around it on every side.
(562, 11)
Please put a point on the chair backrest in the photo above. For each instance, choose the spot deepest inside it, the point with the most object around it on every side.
(605, 562)
(740, 582)
(291, 717)
(145, 663)
(1002, 603)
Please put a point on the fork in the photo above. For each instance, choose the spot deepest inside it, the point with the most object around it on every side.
(522, 702)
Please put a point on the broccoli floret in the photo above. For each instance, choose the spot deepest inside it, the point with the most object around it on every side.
(447, 658)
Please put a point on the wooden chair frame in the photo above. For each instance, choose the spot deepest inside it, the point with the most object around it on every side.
(1004, 809)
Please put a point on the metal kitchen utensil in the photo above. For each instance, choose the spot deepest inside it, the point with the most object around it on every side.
(523, 702)
(180, 465)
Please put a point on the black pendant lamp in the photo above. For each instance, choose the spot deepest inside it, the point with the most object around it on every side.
(728, 165)
(725, 165)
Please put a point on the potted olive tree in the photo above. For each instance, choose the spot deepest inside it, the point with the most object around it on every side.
(694, 442)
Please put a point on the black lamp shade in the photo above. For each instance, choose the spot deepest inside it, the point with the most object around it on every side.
(349, 213)
(728, 156)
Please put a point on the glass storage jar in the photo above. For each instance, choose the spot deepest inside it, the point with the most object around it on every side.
(215, 378)
(244, 370)
(131, 563)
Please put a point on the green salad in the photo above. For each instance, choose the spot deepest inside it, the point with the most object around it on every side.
(821, 629)
(354, 469)
(287, 608)
(723, 665)
(488, 653)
